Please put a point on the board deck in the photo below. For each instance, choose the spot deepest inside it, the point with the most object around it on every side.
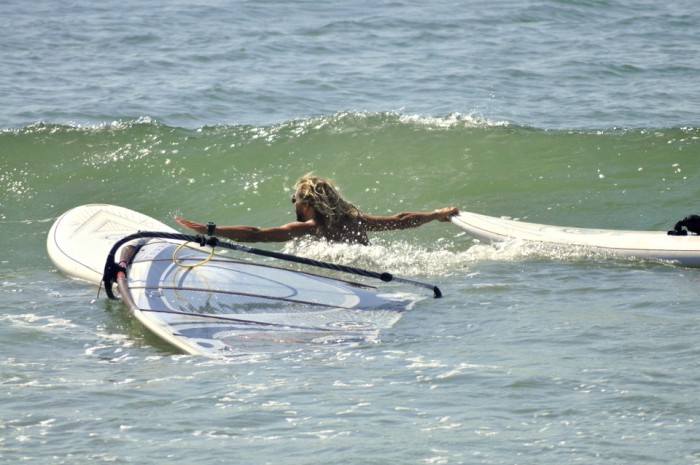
(656, 245)
(218, 305)
(80, 239)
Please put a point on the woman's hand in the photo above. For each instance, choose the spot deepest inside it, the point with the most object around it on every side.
(194, 226)
(444, 214)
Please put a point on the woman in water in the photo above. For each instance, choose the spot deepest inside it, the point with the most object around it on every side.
(322, 212)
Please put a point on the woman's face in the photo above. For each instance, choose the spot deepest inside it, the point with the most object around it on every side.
(304, 210)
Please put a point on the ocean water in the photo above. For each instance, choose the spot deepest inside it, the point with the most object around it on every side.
(573, 113)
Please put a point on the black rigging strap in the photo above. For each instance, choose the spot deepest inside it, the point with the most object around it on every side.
(690, 223)
(112, 268)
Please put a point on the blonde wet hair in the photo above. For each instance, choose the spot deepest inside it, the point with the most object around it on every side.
(333, 211)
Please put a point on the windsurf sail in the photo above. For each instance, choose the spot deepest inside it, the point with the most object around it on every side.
(206, 302)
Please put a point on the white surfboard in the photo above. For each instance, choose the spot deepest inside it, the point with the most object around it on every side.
(80, 239)
(657, 245)
(218, 305)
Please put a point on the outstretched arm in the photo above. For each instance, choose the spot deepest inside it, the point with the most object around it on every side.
(407, 220)
(282, 233)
